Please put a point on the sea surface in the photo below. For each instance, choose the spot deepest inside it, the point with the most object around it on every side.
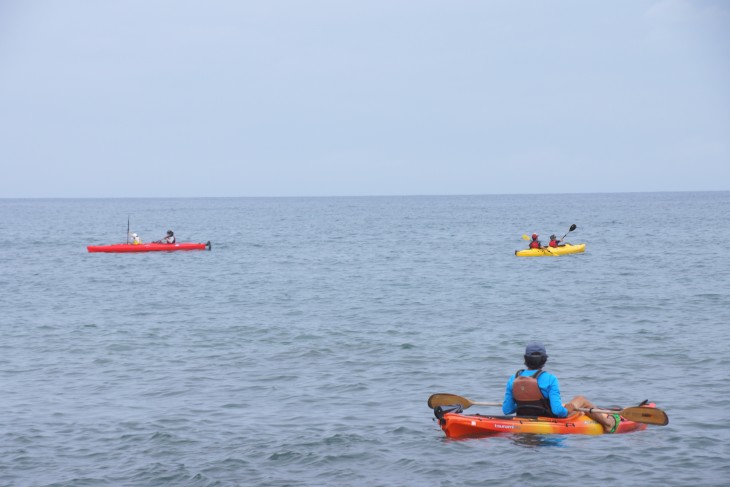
(301, 350)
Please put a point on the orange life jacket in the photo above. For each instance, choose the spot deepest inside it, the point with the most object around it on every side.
(528, 396)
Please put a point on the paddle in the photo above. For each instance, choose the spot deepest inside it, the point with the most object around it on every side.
(443, 399)
(636, 414)
(572, 227)
(127, 229)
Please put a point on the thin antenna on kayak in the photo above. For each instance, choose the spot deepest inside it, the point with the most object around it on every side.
(127, 229)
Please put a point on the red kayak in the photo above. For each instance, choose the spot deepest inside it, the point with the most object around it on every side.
(148, 247)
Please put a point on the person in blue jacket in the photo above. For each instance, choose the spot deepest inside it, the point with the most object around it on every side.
(535, 392)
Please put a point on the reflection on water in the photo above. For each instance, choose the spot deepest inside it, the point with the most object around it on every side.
(533, 441)
(524, 440)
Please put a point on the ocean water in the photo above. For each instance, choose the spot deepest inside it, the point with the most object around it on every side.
(301, 350)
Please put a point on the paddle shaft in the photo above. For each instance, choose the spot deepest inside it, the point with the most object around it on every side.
(585, 410)
(598, 410)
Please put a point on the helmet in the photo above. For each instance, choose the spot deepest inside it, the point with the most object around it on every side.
(134, 235)
(534, 236)
(169, 232)
(553, 237)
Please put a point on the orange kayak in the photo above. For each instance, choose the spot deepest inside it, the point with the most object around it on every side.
(457, 425)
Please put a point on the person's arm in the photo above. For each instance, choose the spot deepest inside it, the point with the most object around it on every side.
(509, 405)
(553, 394)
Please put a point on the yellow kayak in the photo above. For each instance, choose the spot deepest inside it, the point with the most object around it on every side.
(552, 251)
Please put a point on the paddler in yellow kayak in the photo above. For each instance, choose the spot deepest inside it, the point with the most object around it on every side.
(554, 242)
(535, 243)
(535, 392)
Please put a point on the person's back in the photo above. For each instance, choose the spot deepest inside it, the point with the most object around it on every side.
(535, 244)
(534, 392)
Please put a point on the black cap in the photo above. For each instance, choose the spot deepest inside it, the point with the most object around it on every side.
(535, 348)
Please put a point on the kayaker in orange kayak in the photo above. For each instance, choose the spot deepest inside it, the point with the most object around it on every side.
(135, 239)
(535, 392)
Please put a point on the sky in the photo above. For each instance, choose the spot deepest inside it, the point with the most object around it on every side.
(175, 98)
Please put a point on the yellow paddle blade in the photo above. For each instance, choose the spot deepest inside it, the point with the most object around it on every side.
(525, 237)
(645, 415)
(437, 400)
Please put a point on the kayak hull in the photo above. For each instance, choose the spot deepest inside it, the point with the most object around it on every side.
(552, 251)
(457, 425)
(148, 247)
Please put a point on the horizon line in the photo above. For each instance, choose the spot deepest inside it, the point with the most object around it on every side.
(414, 195)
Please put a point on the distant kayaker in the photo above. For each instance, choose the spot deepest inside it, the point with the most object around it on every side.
(535, 392)
(169, 239)
(554, 242)
(135, 239)
(535, 243)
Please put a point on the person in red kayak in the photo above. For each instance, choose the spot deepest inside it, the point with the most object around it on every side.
(554, 242)
(535, 392)
(535, 243)
(135, 239)
(169, 239)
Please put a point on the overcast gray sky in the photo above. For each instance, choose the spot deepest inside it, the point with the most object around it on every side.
(380, 97)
